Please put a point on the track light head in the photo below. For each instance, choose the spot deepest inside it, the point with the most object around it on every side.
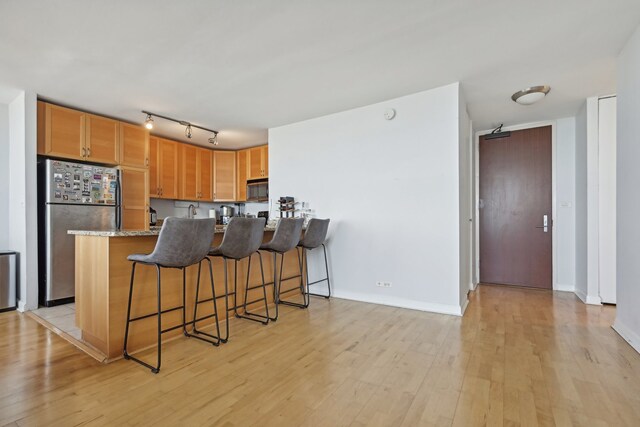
(187, 131)
(148, 122)
(214, 139)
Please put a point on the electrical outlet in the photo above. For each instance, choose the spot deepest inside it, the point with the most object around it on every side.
(383, 284)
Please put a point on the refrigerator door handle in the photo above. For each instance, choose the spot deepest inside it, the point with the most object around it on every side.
(118, 203)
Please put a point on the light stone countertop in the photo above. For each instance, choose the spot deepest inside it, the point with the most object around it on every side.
(154, 231)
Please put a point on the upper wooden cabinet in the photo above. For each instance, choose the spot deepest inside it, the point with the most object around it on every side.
(135, 198)
(163, 168)
(188, 170)
(64, 132)
(258, 162)
(196, 173)
(241, 172)
(102, 139)
(205, 174)
(134, 146)
(224, 176)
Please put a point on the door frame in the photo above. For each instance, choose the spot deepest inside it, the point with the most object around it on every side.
(476, 197)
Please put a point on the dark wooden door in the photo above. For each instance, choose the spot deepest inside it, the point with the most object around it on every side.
(515, 195)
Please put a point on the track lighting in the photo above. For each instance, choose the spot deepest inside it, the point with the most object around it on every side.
(148, 122)
(188, 131)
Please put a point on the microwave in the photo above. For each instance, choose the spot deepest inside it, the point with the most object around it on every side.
(258, 190)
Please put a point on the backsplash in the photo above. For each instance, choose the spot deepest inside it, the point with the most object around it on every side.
(166, 208)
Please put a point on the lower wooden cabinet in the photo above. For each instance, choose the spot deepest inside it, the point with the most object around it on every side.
(224, 176)
(135, 198)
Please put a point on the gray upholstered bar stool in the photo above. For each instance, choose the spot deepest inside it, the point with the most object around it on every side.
(182, 242)
(314, 237)
(242, 239)
(285, 238)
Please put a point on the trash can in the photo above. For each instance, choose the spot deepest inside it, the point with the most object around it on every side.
(8, 300)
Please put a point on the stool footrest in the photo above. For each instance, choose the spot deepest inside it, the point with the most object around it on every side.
(293, 304)
(156, 313)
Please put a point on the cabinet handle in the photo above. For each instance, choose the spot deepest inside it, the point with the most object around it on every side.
(161, 191)
(146, 162)
(84, 152)
(89, 152)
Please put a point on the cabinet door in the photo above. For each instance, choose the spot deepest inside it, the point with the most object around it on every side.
(102, 139)
(134, 146)
(168, 170)
(241, 172)
(255, 163)
(64, 132)
(265, 161)
(154, 167)
(205, 174)
(189, 172)
(224, 175)
(135, 198)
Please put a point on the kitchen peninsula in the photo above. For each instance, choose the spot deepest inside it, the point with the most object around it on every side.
(102, 279)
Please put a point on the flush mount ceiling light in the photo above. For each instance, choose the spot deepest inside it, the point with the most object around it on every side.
(530, 95)
(148, 123)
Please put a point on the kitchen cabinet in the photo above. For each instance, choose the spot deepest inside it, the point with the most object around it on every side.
(134, 146)
(135, 198)
(205, 174)
(241, 172)
(163, 168)
(102, 140)
(258, 161)
(196, 173)
(224, 176)
(75, 135)
(64, 131)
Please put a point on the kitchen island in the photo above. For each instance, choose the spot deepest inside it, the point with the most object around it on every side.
(102, 277)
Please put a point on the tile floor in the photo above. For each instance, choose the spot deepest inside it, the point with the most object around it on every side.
(62, 317)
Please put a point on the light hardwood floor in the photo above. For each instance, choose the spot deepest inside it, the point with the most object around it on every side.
(518, 357)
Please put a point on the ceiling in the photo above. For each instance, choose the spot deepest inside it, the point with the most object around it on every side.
(244, 66)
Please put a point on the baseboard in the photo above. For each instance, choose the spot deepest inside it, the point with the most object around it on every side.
(465, 304)
(564, 288)
(588, 299)
(454, 310)
(627, 334)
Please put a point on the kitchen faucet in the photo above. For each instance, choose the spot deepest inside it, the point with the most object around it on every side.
(191, 211)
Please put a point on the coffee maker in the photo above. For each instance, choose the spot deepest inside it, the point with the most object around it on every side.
(226, 213)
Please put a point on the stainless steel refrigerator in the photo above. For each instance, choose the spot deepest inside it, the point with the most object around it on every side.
(72, 196)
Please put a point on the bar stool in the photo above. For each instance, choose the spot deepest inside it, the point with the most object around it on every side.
(285, 238)
(242, 239)
(182, 242)
(314, 237)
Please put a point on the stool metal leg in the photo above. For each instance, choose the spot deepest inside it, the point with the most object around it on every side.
(305, 294)
(195, 307)
(256, 317)
(154, 369)
(326, 269)
(126, 330)
(196, 333)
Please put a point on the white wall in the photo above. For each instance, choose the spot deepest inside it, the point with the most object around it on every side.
(23, 235)
(564, 226)
(391, 189)
(4, 176)
(628, 201)
(587, 204)
(465, 198)
(607, 199)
